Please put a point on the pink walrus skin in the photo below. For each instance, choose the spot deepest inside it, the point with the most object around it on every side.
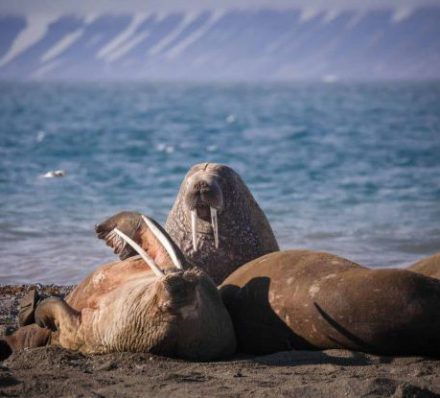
(166, 308)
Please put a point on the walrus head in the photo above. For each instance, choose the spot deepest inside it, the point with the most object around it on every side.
(204, 200)
(216, 222)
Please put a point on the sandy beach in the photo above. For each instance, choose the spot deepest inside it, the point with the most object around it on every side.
(54, 372)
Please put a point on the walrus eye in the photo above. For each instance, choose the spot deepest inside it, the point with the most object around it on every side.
(150, 262)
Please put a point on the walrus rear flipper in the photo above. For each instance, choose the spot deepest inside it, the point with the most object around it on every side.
(129, 222)
(55, 314)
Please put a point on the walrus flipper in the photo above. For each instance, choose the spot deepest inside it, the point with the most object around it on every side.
(129, 222)
(55, 314)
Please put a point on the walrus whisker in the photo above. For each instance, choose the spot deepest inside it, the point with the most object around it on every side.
(115, 241)
(110, 236)
(141, 252)
(194, 228)
(214, 223)
(163, 240)
(119, 243)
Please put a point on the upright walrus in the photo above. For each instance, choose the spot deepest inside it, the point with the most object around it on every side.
(217, 223)
(301, 299)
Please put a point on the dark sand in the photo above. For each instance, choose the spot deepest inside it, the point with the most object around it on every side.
(55, 372)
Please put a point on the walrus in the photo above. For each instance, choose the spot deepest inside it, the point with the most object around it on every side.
(301, 299)
(429, 266)
(217, 223)
(124, 306)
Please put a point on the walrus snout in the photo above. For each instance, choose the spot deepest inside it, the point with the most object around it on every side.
(204, 199)
(203, 194)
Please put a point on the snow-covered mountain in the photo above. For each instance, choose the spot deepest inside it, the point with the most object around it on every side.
(220, 45)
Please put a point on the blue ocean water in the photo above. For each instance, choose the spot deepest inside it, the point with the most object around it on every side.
(350, 168)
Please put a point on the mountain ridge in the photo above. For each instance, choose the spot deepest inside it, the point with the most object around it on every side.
(265, 44)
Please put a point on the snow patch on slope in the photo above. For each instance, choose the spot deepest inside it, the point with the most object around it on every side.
(180, 47)
(181, 26)
(400, 14)
(44, 69)
(62, 45)
(127, 46)
(36, 28)
(113, 46)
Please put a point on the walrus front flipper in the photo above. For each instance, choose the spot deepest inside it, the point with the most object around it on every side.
(55, 314)
(30, 336)
(130, 223)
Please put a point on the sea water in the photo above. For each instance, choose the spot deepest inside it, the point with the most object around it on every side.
(349, 168)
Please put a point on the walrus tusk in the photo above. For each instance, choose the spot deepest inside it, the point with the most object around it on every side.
(142, 253)
(194, 228)
(214, 223)
(163, 240)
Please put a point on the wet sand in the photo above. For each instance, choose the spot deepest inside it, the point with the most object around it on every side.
(55, 372)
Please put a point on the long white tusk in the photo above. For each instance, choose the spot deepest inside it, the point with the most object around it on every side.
(164, 240)
(194, 228)
(214, 223)
(141, 252)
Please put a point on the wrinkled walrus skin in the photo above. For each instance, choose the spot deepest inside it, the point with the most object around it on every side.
(243, 229)
(429, 266)
(301, 299)
(178, 315)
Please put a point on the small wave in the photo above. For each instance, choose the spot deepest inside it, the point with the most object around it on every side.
(165, 148)
(41, 135)
(324, 235)
(419, 247)
(230, 118)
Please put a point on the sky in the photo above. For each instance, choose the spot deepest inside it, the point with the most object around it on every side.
(56, 7)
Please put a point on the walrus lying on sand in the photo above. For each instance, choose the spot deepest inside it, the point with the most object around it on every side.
(301, 299)
(296, 299)
(124, 306)
(215, 221)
